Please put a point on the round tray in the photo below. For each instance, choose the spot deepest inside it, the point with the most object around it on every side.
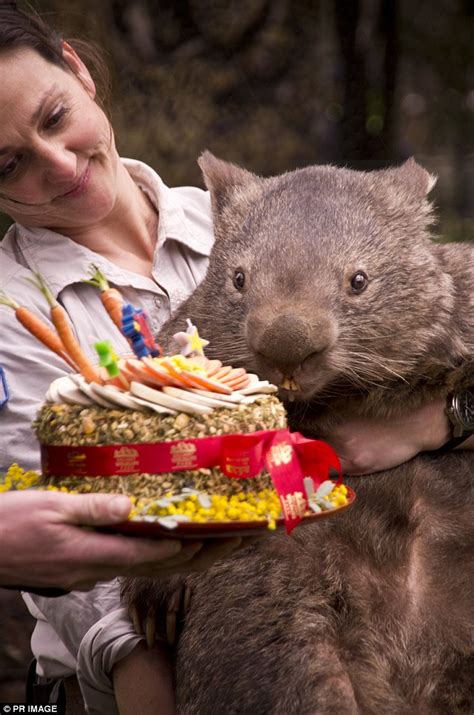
(214, 529)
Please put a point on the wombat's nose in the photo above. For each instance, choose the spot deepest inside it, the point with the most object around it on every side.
(288, 341)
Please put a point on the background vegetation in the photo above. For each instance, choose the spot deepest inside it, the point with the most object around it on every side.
(277, 84)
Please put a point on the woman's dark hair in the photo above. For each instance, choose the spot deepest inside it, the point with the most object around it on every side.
(25, 28)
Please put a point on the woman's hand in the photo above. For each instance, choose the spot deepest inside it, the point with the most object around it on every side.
(44, 542)
(372, 445)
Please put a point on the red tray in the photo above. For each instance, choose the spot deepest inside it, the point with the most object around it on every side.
(214, 529)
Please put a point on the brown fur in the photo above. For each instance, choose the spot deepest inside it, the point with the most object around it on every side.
(372, 611)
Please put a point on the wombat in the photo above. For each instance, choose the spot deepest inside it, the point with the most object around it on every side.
(326, 282)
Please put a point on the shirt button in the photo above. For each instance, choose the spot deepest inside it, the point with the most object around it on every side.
(157, 302)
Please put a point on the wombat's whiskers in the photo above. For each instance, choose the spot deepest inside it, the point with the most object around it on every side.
(233, 349)
(300, 409)
(366, 368)
(358, 379)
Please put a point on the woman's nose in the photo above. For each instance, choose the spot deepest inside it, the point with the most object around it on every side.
(58, 163)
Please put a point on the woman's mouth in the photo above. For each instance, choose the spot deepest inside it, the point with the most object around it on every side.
(79, 187)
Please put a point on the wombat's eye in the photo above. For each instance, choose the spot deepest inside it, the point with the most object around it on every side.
(359, 282)
(239, 279)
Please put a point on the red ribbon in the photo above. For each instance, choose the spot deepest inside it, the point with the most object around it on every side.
(288, 457)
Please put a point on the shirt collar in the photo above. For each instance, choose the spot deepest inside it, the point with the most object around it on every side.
(63, 262)
(174, 220)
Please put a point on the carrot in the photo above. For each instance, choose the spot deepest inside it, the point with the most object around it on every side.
(38, 328)
(112, 302)
(73, 349)
(111, 298)
(61, 323)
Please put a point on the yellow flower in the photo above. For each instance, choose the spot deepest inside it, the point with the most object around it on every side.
(17, 478)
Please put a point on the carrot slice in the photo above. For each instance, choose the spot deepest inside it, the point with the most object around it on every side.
(139, 373)
(196, 380)
(158, 372)
(234, 374)
(214, 366)
(239, 384)
(179, 375)
(222, 372)
(162, 378)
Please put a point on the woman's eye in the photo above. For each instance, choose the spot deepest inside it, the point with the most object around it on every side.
(239, 279)
(9, 169)
(55, 118)
(359, 282)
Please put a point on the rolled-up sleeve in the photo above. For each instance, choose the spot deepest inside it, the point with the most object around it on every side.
(70, 617)
(105, 643)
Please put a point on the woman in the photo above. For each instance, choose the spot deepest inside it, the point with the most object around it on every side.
(75, 202)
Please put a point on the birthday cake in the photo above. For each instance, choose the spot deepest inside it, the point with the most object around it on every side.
(187, 438)
(82, 415)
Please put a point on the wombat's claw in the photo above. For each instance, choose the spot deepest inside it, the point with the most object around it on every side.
(186, 599)
(133, 612)
(176, 611)
(171, 627)
(150, 628)
(175, 600)
(165, 622)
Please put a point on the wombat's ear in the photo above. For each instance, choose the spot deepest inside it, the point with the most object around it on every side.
(411, 177)
(221, 177)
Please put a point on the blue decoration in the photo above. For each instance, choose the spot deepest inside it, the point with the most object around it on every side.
(136, 330)
(5, 392)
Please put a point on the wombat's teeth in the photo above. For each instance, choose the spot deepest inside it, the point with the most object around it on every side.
(289, 384)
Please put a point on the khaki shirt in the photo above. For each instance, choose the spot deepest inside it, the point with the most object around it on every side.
(184, 241)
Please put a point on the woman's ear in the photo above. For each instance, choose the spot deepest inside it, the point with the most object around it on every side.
(77, 67)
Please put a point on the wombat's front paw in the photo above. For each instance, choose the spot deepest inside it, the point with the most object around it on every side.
(157, 607)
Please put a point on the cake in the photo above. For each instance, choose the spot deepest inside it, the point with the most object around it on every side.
(61, 423)
(79, 416)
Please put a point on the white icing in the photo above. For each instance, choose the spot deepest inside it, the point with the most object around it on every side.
(261, 386)
(156, 408)
(73, 389)
(161, 398)
(88, 390)
(233, 398)
(206, 399)
(117, 397)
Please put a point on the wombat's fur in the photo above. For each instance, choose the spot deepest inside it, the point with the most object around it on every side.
(370, 611)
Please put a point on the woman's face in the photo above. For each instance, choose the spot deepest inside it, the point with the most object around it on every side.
(58, 162)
